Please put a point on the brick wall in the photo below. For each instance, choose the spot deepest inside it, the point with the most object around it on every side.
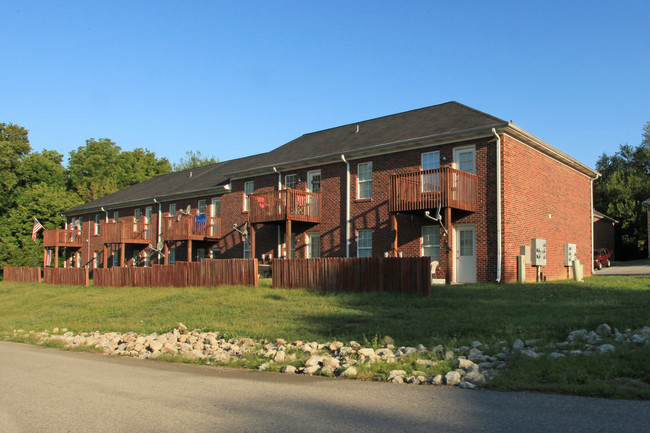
(543, 198)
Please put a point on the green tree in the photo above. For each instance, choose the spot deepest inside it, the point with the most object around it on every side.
(620, 193)
(139, 165)
(14, 145)
(193, 159)
(45, 166)
(93, 169)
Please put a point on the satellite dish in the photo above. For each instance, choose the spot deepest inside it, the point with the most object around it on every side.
(245, 230)
(160, 245)
(188, 209)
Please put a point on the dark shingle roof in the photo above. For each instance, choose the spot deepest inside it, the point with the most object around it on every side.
(173, 184)
(440, 119)
(448, 118)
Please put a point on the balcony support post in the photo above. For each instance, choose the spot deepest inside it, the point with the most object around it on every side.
(56, 256)
(44, 257)
(166, 253)
(450, 250)
(189, 250)
(393, 227)
(252, 233)
(287, 239)
(122, 253)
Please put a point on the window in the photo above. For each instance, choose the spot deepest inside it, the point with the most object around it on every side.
(172, 256)
(116, 216)
(249, 188)
(202, 205)
(200, 254)
(136, 257)
(313, 245)
(430, 181)
(216, 208)
(431, 242)
(172, 209)
(364, 180)
(464, 158)
(290, 181)
(136, 219)
(213, 253)
(466, 242)
(116, 257)
(96, 260)
(96, 229)
(364, 243)
(313, 181)
(247, 248)
(293, 245)
(431, 160)
(147, 258)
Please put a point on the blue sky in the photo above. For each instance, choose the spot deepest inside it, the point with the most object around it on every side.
(231, 79)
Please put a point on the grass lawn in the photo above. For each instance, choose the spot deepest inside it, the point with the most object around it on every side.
(451, 316)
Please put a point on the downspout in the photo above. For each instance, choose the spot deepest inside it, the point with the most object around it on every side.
(591, 222)
(347, 206)
(159, 237)
(494, 131)
(104, 210)
(279, 229)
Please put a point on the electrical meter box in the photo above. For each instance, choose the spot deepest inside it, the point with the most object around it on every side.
(538, 256)
(570, 254)
(525, 251)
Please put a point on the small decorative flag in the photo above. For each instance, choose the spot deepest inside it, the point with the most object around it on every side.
(37, 227)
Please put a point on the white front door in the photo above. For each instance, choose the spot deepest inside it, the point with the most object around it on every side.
(465, 251)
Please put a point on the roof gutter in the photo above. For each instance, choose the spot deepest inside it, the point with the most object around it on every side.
(498, 174)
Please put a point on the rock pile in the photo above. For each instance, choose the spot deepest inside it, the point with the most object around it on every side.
(466, 367)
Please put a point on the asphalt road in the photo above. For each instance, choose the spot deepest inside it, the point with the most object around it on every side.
(47, 390)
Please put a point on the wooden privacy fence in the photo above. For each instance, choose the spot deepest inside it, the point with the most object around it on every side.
(374, 274)
(72, 276)
(206, 273)
(21, 274)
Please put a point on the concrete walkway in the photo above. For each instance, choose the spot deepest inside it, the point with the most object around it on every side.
(622, 269)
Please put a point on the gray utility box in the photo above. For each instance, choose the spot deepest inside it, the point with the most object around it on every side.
(538, 256)
(570, 254)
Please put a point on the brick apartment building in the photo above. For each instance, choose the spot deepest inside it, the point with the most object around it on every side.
(369, 188)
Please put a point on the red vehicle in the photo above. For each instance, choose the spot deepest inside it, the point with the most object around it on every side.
(602, 257)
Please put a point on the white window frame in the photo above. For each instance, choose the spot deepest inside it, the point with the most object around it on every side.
(215, 207)
(458, 151)
(424, 155)
(364, 243)
(424, 245)
(96, 259)
(310, 179)
(171, 254)
(213, 253)
(96, 228)
(430, 181)
(137, 213)
(365, 168)
(311, 254)
(172, 209)
(249, 188)
(147, 258)
(116, 257)
(201, 207)
(290, 181)
(116, 216)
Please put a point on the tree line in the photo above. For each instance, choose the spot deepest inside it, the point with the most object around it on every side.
(37, 184)
(620, 193)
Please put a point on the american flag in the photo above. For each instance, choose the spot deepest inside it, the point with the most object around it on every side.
(37, 227)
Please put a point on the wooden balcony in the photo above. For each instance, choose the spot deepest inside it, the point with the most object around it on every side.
(127, 233)
(283, 205)
(426, 190)
(185, 227)
(62, 238)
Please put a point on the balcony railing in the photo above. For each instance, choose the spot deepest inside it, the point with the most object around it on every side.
(62, 238)
(189, 227)
(126, 232)
(428, 189)
(283, 205)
